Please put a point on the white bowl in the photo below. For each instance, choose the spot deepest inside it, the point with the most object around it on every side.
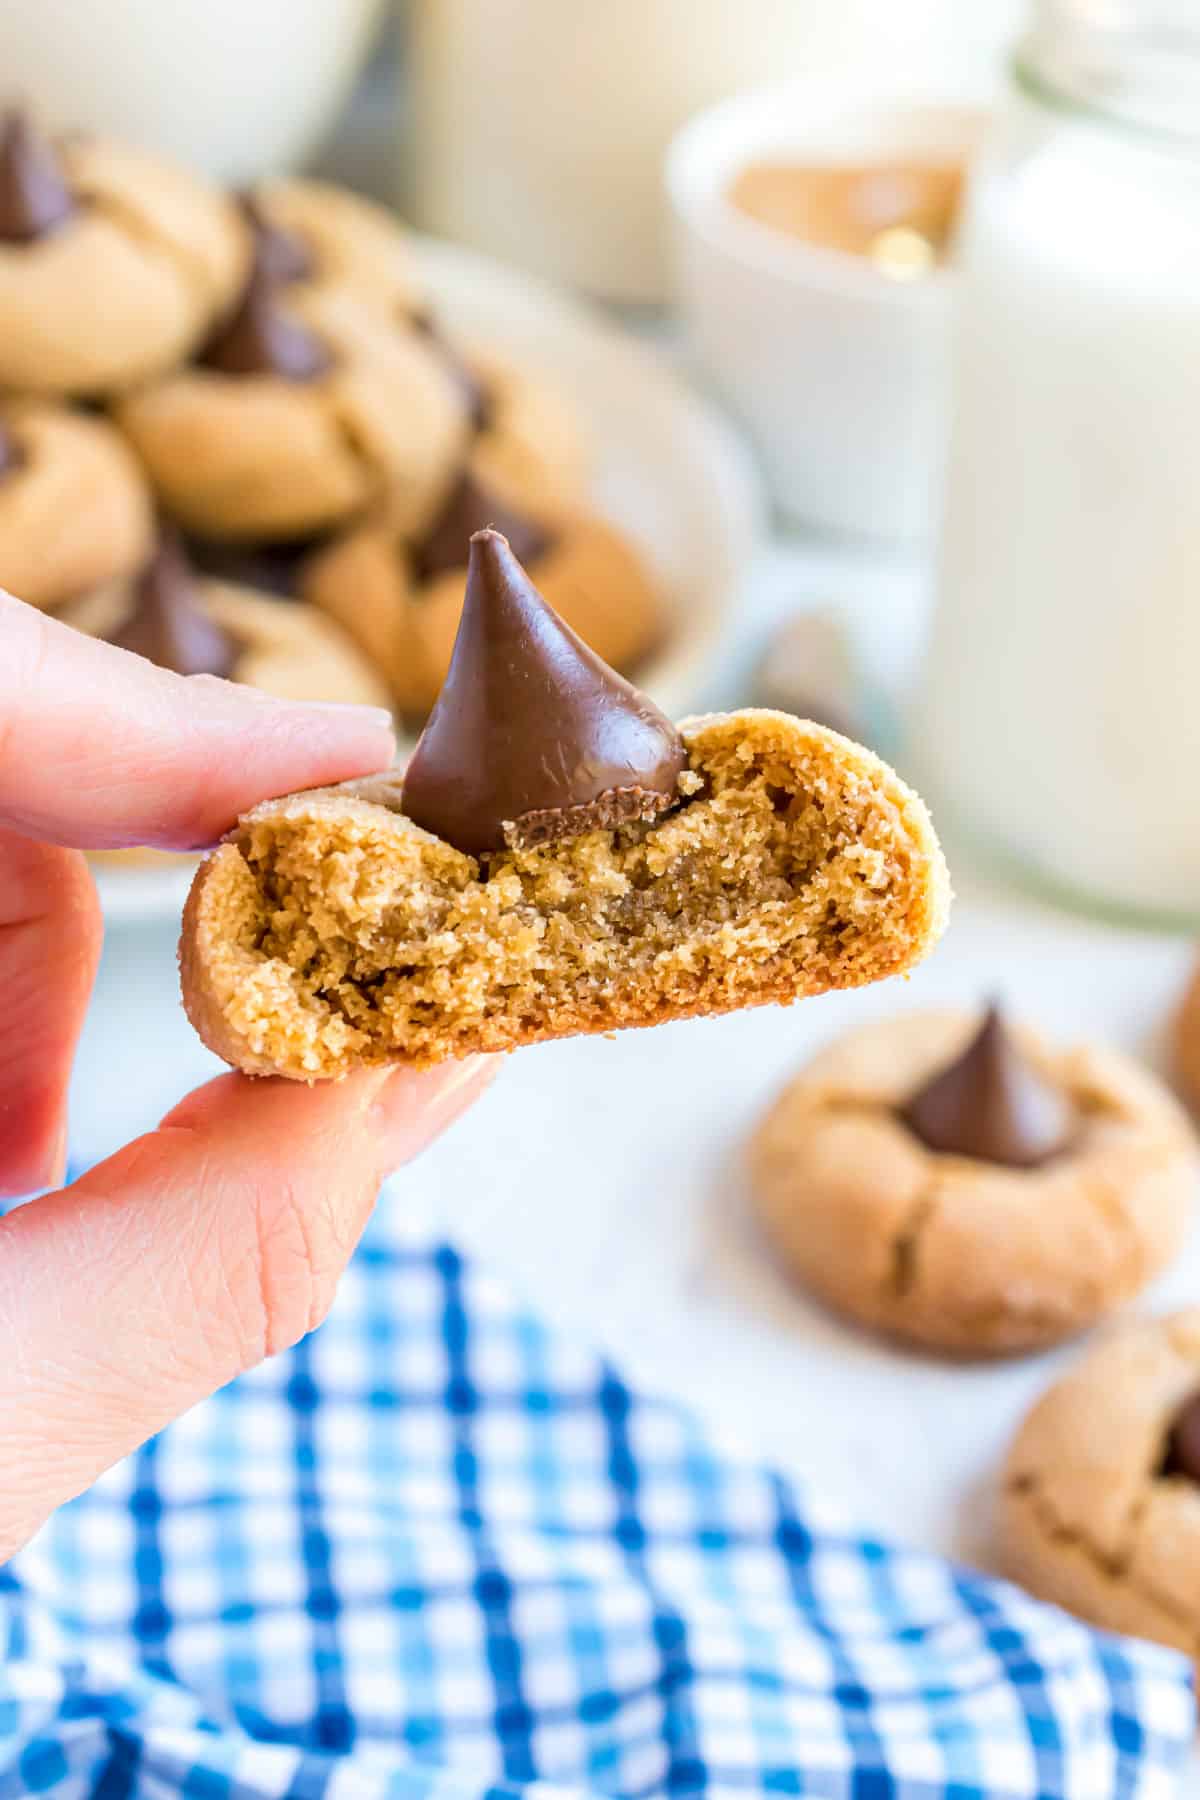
(839, 372)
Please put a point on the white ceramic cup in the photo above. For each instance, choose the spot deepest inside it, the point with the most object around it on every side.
(235, 88)
(839, 372)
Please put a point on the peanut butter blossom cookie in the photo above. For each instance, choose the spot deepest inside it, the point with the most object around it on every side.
(75, 509)
(402, 600)
(1100, 1504)
(195, 626)
(960, 1184)
(303, 409)
(558, 858)
(113, 265)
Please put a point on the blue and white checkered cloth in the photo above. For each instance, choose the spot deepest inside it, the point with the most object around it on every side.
(440, 1553)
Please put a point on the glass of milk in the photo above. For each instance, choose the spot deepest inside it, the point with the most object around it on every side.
(1058, 719)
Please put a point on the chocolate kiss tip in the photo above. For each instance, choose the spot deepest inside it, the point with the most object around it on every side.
(168, 624)
(533, 738)
(992, 1104)
(34, 198)
(260, 338)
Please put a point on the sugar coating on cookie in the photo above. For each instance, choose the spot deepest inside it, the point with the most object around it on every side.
(952, 1252)
(331, 932)
(1096, 1513)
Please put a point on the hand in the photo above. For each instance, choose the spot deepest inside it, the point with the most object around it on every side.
(218, 1239)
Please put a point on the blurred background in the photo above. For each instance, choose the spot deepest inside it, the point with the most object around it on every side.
(874, 326)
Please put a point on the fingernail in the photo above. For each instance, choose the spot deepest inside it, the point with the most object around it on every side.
(414, 1106)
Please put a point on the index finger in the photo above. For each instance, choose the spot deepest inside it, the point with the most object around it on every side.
(99, 749)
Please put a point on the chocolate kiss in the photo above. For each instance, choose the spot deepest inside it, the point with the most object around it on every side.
(34, 198)
(475, 396)
(168, 624)
(279, 255)
(260, 339)
(991, 1104)
(1183, 1443)
(470, 508)
(532, 737)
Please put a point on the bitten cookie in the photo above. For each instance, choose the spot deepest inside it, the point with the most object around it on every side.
(1100, 1505)
(402, 602)
(75, 510)
(557, 859)
(970, 1189)
(113, 265)
(302, 412)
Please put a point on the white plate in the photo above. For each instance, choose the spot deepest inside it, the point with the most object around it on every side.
(665, 468)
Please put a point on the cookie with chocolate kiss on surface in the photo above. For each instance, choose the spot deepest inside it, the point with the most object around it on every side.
(75, 509)
(628, 872)
(114, 264)
(302, 411)
(956, 1182)
(1099, 1504)
(402, 601)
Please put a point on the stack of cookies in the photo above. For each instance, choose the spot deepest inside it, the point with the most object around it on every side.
(234, 438)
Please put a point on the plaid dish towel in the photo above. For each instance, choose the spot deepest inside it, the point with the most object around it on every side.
(440, 1553)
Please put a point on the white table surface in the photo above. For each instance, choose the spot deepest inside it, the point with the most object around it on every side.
(605, 1178)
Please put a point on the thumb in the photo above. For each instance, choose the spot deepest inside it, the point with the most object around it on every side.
(185, 1259)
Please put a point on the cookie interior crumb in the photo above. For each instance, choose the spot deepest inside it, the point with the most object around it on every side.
(334, 932)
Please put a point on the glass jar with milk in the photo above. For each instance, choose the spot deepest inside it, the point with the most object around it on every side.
(1058, 719)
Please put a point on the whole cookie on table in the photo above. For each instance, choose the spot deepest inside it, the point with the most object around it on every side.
(75, 511)
(963, 1185)
(402, 601)
(1100, 1501)
(557, 858)
(113, 264)
(304, 409)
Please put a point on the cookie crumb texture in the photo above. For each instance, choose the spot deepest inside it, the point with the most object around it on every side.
(956, 1255)
(1089, 1518)
(330, 932)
